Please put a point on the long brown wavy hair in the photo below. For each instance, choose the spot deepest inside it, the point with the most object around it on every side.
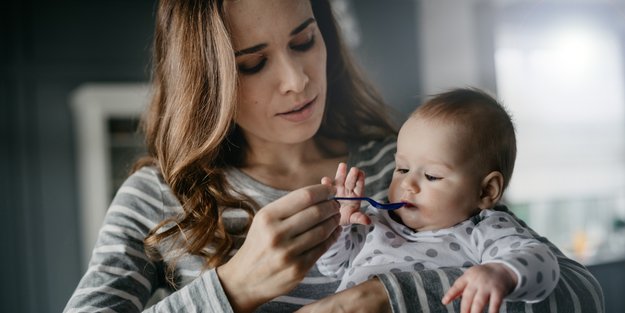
(189, 125)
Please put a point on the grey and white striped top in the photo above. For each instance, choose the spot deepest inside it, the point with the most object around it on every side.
(121, 278)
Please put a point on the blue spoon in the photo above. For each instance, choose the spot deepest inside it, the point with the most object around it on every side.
(383, 206)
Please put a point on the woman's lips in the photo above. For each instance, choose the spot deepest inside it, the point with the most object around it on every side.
(300, 113)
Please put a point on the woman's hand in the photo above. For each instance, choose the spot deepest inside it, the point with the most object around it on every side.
(369, 296)
(350, 184)
(285, 239)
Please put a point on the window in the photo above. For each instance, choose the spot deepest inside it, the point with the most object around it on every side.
(560, 71)
(106, 116)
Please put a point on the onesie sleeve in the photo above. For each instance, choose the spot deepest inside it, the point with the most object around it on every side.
(498, 238)
(341, 254)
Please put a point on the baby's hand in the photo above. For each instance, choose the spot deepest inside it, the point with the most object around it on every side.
(481, 285)
(350, 184)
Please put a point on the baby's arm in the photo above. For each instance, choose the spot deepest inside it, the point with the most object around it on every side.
(334, 262)
(515, 266)
(481, 285)
(350, 184)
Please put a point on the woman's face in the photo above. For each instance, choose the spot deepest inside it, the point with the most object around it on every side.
(281, 59)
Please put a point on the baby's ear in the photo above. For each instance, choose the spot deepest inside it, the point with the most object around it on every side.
(491, 190)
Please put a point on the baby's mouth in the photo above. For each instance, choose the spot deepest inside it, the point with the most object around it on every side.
(408, 204)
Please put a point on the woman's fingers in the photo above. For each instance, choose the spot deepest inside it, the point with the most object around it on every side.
(311, 217)
(298, 200)
(315, 235)
(310, 256)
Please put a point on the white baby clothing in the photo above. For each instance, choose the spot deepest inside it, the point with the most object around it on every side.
(488, 237)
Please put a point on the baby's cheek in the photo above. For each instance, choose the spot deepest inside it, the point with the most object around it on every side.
(394, 192)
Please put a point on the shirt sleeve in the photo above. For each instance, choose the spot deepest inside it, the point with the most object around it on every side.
(121, 277)
(576, 290)
(498, 238)
(341, 254)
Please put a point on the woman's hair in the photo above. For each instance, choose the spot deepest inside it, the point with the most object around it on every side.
(189, 125)
(485, 127)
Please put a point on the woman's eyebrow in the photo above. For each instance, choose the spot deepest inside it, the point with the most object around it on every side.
(302, 26)
(262, 46)
(250, 50)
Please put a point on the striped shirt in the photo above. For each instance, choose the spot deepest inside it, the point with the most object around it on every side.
(121, 278)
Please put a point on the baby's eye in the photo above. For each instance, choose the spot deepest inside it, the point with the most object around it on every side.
(401, 170)
(432, 178)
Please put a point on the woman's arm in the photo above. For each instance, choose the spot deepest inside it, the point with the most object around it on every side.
(120, 276)
(283, 243)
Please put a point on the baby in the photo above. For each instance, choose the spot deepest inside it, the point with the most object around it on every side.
(455, 156)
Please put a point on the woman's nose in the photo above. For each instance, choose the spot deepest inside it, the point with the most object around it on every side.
(293, 77)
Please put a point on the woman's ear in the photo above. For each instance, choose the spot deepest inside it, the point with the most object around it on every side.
(491, 190)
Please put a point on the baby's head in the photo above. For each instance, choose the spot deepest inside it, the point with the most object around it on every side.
(455, 156)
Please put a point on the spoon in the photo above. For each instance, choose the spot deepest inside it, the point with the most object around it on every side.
(383, 206)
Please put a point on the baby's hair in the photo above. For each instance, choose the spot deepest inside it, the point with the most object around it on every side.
(486, 127)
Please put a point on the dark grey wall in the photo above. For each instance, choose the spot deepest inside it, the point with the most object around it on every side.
(389, 50)
(46, 50)
(611, 276)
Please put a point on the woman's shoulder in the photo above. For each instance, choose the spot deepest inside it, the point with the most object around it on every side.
(366, 153)
(146, 179)
(377, 159)
(146, 191)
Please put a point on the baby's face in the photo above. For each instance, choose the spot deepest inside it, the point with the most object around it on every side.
(440, 185)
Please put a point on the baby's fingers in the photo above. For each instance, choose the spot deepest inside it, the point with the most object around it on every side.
(359, 218)
(359, 190)
(479, 302)
(495, 303)
(341, 174)
(354, 178)
(455, 291)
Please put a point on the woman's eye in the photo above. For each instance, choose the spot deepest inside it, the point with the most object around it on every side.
(304, 46)
(432, 178)
(245, 68)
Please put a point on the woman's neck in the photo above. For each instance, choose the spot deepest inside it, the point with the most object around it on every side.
(291, 166)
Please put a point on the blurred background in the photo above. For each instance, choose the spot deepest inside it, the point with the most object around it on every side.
(73, 81)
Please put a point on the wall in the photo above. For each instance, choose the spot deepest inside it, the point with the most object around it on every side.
(455, 49)
(47, 50)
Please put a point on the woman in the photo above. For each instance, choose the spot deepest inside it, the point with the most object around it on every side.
(253, 102)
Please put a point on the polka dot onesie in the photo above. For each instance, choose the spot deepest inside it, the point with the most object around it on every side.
(489, 237)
